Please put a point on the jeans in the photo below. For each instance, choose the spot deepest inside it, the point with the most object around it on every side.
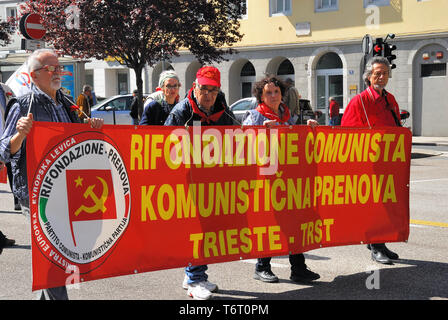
(334, 121)
(196, 274)
(58, 293)
(297, 262)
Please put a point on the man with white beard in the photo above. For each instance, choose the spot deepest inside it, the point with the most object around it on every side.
(46, 102)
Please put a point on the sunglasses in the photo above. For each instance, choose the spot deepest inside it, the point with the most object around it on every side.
(208, 91)
(51, 68)
(169, 87)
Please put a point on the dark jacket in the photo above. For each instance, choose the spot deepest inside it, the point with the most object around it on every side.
(182, 113)
(134, 108)
(41, 111)
(155, 113)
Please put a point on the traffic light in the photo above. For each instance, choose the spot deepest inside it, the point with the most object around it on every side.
(388, 53)
(378, 47)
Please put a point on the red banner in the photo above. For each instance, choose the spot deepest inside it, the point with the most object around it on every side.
(131, 199)
(3, 175)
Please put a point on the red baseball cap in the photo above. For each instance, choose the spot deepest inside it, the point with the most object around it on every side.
(209, 76)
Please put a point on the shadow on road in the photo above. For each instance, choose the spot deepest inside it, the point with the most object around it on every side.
(10, 212)
(417, 155)
(416, 280)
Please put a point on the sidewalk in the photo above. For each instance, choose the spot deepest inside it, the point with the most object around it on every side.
(430, 141)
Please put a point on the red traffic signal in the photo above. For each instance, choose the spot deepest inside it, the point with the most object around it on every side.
(378, 48)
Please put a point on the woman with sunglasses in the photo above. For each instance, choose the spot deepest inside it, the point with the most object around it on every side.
(159, 104)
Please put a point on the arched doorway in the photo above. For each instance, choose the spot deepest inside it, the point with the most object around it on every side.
(158, 69)
(329, 83)
(285, 70)
(429, 109)
(247, 77)
(190, 75)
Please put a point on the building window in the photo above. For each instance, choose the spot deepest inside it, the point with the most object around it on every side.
(11, 12)
(123, 83)
(326, 5)
(378, 3)
(285, 68)
(247, 79)
(433, 70)
(280, 7)
(242, 9)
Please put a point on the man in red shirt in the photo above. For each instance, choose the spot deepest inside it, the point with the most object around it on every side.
(334, 112)
(374, 107)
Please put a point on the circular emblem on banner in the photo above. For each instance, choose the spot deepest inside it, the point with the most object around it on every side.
(81, 194)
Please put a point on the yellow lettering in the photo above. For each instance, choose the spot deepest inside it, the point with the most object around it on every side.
(259, 231)
(389, 192)
(210, 244)
(196, 237)
(292, 158)
(156, 152)
(399, 150)
(387, 138)
(274, 238)
(136, 152)
(147, 203)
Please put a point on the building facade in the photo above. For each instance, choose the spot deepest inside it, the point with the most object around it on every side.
(318, 43)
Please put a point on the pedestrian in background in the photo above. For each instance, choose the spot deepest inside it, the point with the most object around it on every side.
(374, 107)
(134, 107)
(202, 106)
(84, 101)
(292, 99)
(47, 103)
(272, 112)
(159, 105)
(6, 96)
(333, 112)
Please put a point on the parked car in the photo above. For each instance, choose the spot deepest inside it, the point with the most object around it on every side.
(116, 106)
(240, 107)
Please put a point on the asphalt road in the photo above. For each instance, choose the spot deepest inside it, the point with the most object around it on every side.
(347, 273)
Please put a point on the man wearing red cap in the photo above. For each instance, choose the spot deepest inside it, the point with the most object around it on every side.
(204, 105)
(204, 102)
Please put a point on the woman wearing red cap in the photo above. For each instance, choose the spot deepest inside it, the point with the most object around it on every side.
(271, 112)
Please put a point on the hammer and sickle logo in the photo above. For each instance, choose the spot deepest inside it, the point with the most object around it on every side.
(99, 202)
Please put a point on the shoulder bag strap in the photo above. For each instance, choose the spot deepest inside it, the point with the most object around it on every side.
(397, 121)
(364, 108)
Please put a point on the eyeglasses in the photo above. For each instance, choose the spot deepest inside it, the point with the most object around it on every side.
(176, 86)
(51, 68)
(379, 74)
(208, 91)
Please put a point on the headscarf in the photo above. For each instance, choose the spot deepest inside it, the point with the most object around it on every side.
(168, 74)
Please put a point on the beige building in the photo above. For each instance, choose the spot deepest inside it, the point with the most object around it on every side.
(318, 43)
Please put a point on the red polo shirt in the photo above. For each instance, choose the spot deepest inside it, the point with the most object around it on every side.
(334, 109)
(378, 115)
